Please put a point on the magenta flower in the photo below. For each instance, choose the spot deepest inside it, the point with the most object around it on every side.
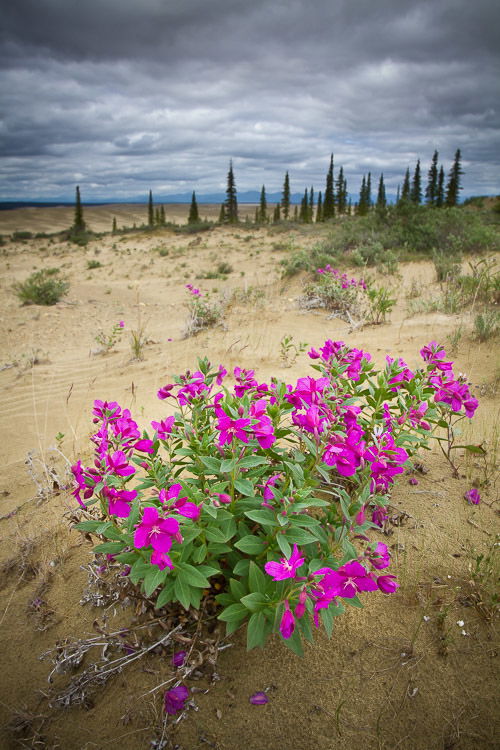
(80, 476)
(300, 607)
(345, 453)
(119, 501)
(175, 699)
(284, 568)
(221, 374)
(259, 699)
(179, 658)
(380, 557)
(223, 498)
(379, 516)
(387, 584)
(347, 581)
(121, 324)
(165, 392)
(413, 481)
(161, 559)
(287, 624)
(146, 446)
(472, 496)
(180, 504)
(118, 464)
(155, 531)
(163, 428)
(230, 428)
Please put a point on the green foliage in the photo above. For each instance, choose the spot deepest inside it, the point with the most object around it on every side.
(285, 198)
(203, 313)
(78, 223)
(380, 304)
(231, 204)
(289, 351)
(21, 235)
(194, 216)
(447, 266)
(486, 325)
(91, 264)
(43, 287)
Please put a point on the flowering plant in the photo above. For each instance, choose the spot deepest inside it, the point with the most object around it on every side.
(269, 490)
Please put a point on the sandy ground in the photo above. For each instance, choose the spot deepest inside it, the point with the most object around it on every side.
(388, 678)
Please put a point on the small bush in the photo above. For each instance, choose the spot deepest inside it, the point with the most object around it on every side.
(447, 266)
(299, 261)
(22, 235)
(43, 287)
(91, 264)
(486, 325)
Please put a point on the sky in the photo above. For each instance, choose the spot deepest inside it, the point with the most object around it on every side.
(124, 96)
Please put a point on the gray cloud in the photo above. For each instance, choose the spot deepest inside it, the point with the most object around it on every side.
(123, 96)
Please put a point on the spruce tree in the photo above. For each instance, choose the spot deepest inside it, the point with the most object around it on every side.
(329, 197)
(163, 219)
(440, 188)
(157, 217)
(285, 198)
(263, 206)
(115, 228)
(368, 197)
(319, 208)
(432, 181)
(304, 208)
(151, 210)
(416, 186)
(231, 210)
(340, 195)
(194, 216)
(453, 187)
(310, 217)
(381, 199)
(222, 213)
(405, 192)
(362, 209)
(79, 222)
(277, 213)
(295, 213)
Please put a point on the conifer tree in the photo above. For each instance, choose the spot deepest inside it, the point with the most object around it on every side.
(115, 228)
(368, 197)
(453, 187)
(231, 205)
(440, 188)
(340, 195)
(362, 209)
(222, 213)
(295, 213)
(319, 208)
(432, 181)
(79, 222)
(194, 216)
(277, 213)
(263, 206)
(157, 216)
(329, 197)
(285, 198)
(381, 199)
(416, 186)
(257, 215)
(163, 219)
(310, 217)
(405, 192)
(151, 210)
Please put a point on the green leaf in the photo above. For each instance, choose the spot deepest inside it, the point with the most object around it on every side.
(88, 525)
(254, 601)
(228, 465)
(110, 548)
(250, 544)
(139, 570)
(153, 579)
(250, 462)
(127, 558)
(212, 464)
(241, 568)
(234, 613)
(113, 533)
(214, 534)
(302, 519)
(209, 570)
(283, 545)
(300, 536)
(256, 578)
(193, 576)
(255, 631)
(245, 487)
(199, 553)
(166, 595)
(265, 517)
(294, 643)
(354, 601)
(182, 591)
(237, 588)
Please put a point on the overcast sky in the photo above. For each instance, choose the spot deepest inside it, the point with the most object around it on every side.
(120, 96)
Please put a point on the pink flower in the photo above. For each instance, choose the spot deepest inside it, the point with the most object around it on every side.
(387, 584)
(230, 428)
(180, 504)
(164, 427)
(285, 568)
(287, 624)
(175, 699)
(155, 531)
(119, 501)
(179, 658)
(259, 699)
(472, 496)
(347, 581)
(121, 324)
(161, 559)
(117, 464)
(380, 557)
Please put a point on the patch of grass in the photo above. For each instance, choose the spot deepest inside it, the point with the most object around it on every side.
(203, 313)
(43, 287)
(486, 325)
(91, 264)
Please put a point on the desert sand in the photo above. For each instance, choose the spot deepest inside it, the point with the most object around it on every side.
(400, 673)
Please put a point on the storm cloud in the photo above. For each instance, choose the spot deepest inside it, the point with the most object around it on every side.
(121, 96)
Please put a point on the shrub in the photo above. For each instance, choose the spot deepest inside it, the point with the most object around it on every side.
(486, 325)
(203, 313)
(91, 264)
(270, 491)
(43, 287)
(447, 267)
(22, 235)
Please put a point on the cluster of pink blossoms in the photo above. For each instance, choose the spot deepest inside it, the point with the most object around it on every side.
(344, 280)
(336, 352)
(449, 390)
(344, 583)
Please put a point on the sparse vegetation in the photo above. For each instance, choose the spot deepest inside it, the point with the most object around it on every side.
(43, 287)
